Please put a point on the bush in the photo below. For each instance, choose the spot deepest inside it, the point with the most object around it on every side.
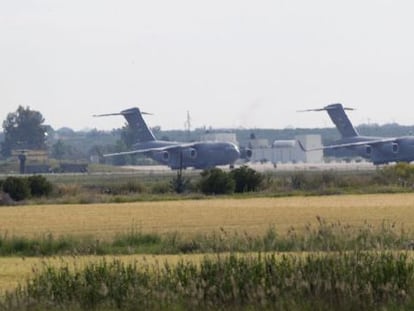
(216, 181)
(17, 188)
(401, 174)
(39, 186)
(5, 198)
(179, 184)
(126, 188)
(161, 187)
(246, 179)
(298, 181)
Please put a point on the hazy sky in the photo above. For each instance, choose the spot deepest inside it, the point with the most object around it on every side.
(231, 63)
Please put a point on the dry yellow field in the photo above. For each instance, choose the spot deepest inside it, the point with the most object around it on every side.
(197, 216)
(253, 216)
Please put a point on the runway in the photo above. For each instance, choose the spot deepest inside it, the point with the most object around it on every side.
(162, 170)
(270, 167)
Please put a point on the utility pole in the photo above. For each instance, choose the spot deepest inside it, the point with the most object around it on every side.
(178, 183)
(22, 162)
(187, 125)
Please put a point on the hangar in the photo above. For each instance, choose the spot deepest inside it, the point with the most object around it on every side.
(287, 151)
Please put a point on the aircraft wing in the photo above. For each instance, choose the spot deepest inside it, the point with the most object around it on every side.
(346, 145)
(144, 150)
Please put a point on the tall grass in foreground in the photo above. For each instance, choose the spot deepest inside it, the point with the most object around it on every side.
(322, 236)
(340, 281)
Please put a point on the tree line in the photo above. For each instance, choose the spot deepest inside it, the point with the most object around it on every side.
(25, 129)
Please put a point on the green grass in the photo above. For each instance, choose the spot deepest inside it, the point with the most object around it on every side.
(340, 281)
(321, 237)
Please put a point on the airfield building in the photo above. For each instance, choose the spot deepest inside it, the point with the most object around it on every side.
(287, 151)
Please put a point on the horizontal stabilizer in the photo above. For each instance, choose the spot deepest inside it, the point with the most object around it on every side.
(338, 116)
(106, 115)
(326, 108)
(123, 113)
(354, 144)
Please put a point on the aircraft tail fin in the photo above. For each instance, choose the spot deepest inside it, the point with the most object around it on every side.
(338, 116)
(135, 122)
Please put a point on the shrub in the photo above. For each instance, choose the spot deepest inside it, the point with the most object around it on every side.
(179, 184)
(298, 181)
(126, 188)
(161, 187)
(17, 188)
(39, 186)
(216, 181)
(5, 198)
(401, 174)
(246, 179)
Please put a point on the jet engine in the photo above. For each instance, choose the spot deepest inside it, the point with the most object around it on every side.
(165, 155)
(162, 156)
(246, 153)
(395, 147)
(365, 151)
(392, 147)
(249, 153)
(189, 153)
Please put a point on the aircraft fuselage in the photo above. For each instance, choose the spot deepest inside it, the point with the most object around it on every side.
(399, 149)
(200, 155)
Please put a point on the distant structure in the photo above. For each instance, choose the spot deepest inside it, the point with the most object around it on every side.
(224, 137)
(286, 151)
(73, 168)
(311, 142)
(32, 161)
(187, 125)
(37, 162)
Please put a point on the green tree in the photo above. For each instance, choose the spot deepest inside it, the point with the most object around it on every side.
(58, 150)
(23, 129)
(18, 188)
(39, 185)
(246, 179)
(216, 181)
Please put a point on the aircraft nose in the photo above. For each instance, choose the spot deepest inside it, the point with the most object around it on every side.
(235, 152)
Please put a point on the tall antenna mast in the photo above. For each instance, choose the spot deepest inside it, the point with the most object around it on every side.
(187, 124)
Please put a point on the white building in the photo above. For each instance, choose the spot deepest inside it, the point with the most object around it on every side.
(309, 142)
(287, 151)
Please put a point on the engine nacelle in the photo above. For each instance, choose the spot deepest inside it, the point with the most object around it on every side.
(246, 153)
(165, 155)
(189, 153)
(249, 153)
(395, 147)
(365, 151)
(162, 156)
(390, 148)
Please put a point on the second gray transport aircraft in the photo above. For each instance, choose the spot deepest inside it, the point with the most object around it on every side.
(379, 150)
(200, 155)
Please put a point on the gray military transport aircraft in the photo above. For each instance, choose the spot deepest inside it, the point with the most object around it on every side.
(380, 150)
(177, 155)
